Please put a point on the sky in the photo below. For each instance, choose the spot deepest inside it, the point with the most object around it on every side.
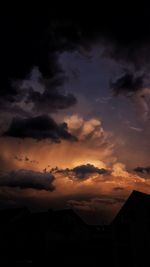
(74, 107)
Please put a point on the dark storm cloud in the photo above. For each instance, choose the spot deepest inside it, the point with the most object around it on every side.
(144, 170)
(137, 87)
(9, 92)
(81, 172)
(32, 38)
(128, 83)
(27, 179)
(37, 38)
(13, 109)
(40, 127)
(51, 100)
(35, 41)
(27, 43)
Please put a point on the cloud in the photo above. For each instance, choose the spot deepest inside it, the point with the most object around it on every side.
(27, 179)
(135, 129)
(81, 172)
(51, 100)
(93, 138)
(12, 109)
(128, 84)
(40, 127)
(32, 48)
(140, 100)
(18, 158)
(96, 149)
(25, 159)
(87, 130)
(142, 170)
(118, 188)
(134, 86)
(39, 42)
(37, 95)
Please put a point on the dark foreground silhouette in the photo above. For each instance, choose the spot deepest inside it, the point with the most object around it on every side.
(61, 238)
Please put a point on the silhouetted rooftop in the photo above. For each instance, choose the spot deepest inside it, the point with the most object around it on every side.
(136, 207)
(9, 215)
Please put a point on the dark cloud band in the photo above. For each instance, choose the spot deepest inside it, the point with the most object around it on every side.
(82, 171)
(40, 127)
(28, 179)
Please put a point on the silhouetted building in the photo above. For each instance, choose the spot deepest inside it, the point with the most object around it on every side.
(131, 231)
(9, 242)
(62, 237)
(9, 216)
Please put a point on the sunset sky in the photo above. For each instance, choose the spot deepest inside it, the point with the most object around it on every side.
(74, 107)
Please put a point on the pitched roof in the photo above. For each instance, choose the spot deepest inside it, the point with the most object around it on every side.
(136, 207)
(9, 215)
(59, 219)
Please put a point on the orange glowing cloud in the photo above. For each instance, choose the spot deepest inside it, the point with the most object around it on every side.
(94, 146)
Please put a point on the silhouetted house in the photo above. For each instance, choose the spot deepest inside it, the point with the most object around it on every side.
(8, 216)
(39, 235)
(8, 235)
(58, 225)
(102, 232)
(68, 225)
(62, 237)
(131, 231)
